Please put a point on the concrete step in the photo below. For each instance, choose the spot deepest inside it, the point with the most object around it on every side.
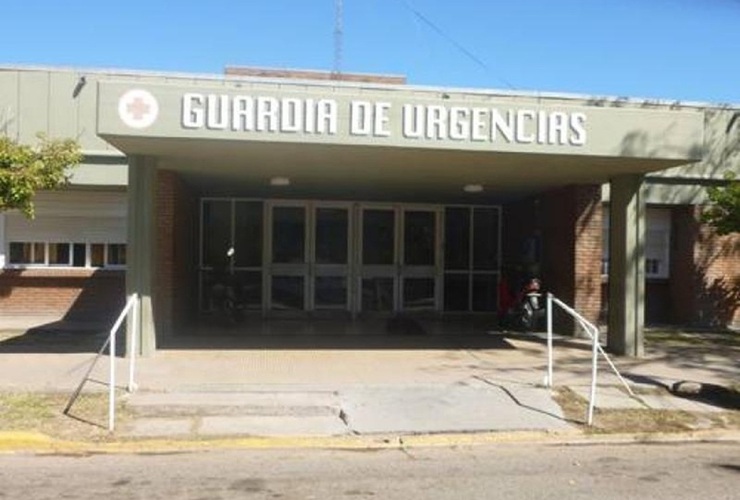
(256, 403)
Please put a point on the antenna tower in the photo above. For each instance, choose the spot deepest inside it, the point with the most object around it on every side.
(338, 35)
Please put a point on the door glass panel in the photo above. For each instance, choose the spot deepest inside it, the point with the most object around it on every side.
(288, 293)
(378, 237)
(419, 238)
(377, 294)
(216, 226)
(418, 293)
(332, 226)
(288, 235)
(248, 234)
(457, 292)
(457, 238)
(330, 292)
(250, 288)
(485, 292)
(485, 239)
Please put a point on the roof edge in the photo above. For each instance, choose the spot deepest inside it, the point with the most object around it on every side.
(603, 100)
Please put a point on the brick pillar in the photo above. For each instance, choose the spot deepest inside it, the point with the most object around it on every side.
(175, 275)
(571, 247)
(588, 251)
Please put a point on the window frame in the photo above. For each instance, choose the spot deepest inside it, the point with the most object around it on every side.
(46, 264)
(658, 220)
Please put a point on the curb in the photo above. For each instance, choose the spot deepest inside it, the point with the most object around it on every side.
(39, 443)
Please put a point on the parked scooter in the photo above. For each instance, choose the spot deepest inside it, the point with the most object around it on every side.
(527, 311)
(531, 308)
(227, 295)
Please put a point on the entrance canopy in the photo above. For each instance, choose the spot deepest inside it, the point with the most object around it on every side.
(338, 141)
(348, 141)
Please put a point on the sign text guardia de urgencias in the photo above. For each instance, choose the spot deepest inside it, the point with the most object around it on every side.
(245, 113)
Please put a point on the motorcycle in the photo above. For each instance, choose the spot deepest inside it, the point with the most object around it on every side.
(528, 310)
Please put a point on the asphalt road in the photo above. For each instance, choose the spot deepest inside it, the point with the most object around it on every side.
(687, 471)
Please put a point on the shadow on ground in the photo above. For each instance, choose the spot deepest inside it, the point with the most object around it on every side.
(59, 337)
(333, 334)
(292, 334)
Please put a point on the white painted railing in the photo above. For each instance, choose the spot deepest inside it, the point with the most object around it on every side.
(593, 333)
(132, 306)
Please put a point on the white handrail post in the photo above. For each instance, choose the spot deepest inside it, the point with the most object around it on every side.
(133, 346)
(112, 381)
(548, 377)
(594, 361)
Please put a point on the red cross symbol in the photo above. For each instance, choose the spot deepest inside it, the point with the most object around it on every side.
(138, 108)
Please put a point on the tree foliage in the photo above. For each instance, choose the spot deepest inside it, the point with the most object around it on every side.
(26, 169)
(724, 210)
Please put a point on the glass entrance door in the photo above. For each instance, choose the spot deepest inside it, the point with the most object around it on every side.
(378, 259)
(288, 269)
(331, 250)
(399, 259)
(309, 257)
(419, 270)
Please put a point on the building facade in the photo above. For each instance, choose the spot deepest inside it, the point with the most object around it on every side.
(365, 196)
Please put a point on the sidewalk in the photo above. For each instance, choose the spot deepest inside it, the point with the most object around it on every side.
(329, 386)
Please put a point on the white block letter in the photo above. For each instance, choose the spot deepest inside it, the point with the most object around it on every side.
(523, 135)
(360, 118)
(578, 127)
(380, 123)
(192, 111)
(413, 121)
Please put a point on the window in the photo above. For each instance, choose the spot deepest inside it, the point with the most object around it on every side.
(116, 255)
(59, 254)
(657, 242)
(27, 253)
(65, 254)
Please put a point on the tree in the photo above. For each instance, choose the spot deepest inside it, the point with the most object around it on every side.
(724, 210)
(26, 169)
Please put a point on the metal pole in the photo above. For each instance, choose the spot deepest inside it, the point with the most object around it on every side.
(548, 377)
(112, 382)
(594, 360)
(132, 347)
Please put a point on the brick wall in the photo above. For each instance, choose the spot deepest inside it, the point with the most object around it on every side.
(175, 278)
(705, 272)
(72, 294)
(683, 274)
(572, 247)
(292, 74)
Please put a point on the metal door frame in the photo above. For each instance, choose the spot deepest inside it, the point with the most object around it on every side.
(399, 271)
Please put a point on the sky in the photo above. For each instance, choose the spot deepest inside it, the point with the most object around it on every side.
(686, 50)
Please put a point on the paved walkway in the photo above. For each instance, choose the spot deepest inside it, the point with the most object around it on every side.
(314, 384)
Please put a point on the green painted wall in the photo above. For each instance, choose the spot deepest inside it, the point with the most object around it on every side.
(64, 103)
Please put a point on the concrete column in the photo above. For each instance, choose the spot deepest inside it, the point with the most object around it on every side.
(142, 181)
(627, 266)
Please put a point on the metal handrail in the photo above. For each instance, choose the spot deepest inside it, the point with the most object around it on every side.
(593, 333)
(131, 306)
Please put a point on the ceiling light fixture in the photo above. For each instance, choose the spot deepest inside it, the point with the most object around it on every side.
(279, 181)
(473, 188)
